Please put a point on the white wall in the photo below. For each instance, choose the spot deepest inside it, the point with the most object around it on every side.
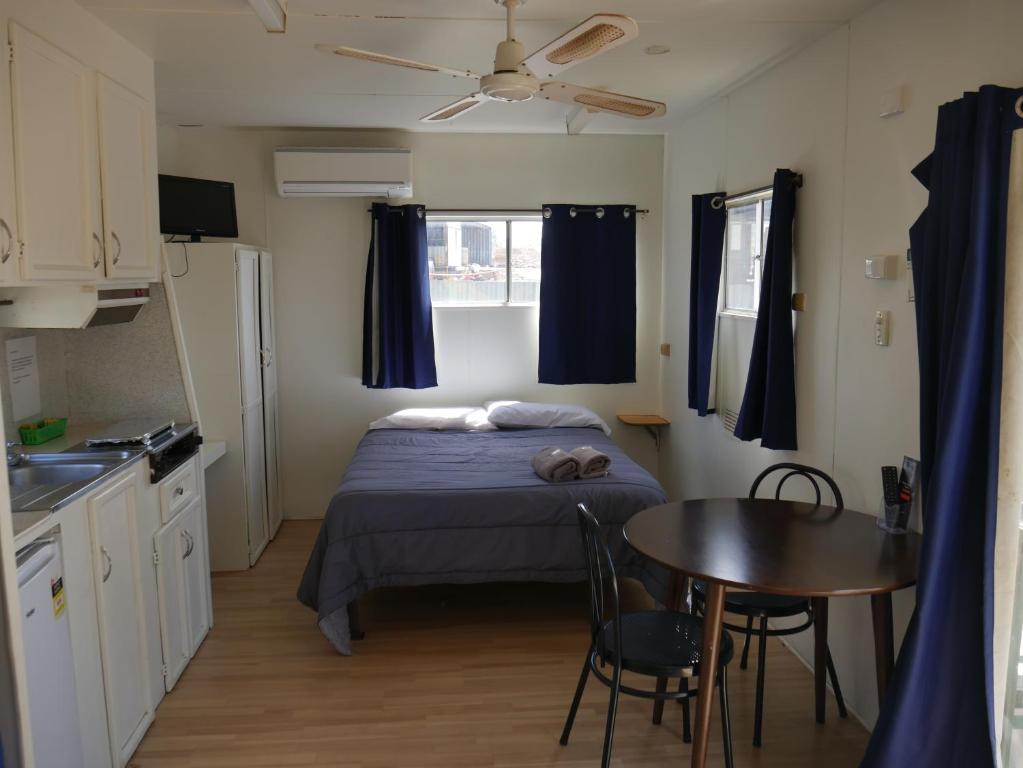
(818, 113)
(320, 245)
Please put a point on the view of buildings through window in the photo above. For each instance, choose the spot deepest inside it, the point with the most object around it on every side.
(484, 261)
(748, 225)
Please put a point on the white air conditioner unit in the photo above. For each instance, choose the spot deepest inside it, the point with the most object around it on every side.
(343, 172)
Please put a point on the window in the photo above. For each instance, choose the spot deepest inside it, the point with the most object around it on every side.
(749, 219)
(484, 260)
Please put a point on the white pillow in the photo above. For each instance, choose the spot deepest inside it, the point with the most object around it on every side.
(465, 419)
(512, 413)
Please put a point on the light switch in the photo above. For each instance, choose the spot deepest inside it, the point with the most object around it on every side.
(882, 326)
(892, 102)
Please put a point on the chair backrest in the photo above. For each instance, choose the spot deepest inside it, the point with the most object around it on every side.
(802, 470)
(604, 603)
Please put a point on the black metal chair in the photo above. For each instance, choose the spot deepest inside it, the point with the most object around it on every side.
(660, 644)
(757, 605)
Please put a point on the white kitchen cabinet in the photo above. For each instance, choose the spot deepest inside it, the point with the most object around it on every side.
(8, 201)
(170, 546)
(128, 173)
(224, 301)
(196, 575)
(56, 163)
(112, 517)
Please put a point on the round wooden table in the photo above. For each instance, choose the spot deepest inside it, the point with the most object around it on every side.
(779, 547)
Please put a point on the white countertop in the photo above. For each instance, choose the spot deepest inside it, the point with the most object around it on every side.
(212, 450)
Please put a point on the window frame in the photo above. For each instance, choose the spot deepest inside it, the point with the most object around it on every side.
(488, 217)
(757, 198)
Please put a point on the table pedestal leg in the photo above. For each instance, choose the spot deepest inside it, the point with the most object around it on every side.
(675, 596)
(820, 655)
(884, 641)
(714, 610)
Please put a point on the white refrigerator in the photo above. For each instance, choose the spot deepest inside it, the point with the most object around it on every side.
(49, 666)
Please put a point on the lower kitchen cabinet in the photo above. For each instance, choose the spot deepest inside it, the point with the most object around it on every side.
(181, 575)
(113, 524)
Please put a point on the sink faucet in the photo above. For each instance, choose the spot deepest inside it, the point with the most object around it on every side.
(14, 456)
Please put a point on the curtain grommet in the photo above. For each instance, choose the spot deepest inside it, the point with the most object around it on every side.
(627, 212)
(420, 212)
(717, 203)
(599, 212)
(572, 212)
(547, 213)
(1019, 106)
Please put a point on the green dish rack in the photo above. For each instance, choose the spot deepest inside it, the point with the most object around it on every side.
(40, 432)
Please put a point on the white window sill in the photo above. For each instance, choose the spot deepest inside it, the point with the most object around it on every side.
(488, 305)
(738, 313)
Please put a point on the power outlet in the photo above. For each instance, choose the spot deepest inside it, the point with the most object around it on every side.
(882, 327)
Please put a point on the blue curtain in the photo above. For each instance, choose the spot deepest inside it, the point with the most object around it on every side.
(769, 403)
(397, 339)
(588, 295)
(939, 709)
(704, 287)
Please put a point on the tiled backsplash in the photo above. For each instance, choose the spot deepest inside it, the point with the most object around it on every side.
(106, 373)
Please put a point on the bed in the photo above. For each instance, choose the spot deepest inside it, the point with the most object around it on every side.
(423, 507)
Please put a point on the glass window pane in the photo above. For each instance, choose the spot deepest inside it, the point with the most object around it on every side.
(525, 261)
(468, 261)
(741, 251)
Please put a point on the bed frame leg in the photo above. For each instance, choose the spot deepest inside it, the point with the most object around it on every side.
(354, 624)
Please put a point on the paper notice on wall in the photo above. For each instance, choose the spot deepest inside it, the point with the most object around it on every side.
(23, 371)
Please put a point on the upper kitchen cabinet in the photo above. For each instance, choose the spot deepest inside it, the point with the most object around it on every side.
(8, 204)
(84, 149)
(129, 182)
(56, 162)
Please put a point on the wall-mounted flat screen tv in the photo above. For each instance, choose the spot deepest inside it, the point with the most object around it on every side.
(197, 208)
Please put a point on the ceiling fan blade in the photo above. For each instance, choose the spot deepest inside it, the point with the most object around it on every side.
(380, 58)
(597, 34)
(602, 101)
(454, 109)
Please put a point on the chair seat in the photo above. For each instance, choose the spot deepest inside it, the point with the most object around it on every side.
(757, 603)
(662, 643)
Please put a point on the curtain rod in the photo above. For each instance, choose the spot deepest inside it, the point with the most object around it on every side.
(797, 180)
(529, 211)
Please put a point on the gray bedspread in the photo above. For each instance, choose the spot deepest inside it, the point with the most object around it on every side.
(421, 507)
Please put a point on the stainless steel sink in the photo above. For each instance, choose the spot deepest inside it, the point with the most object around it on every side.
(48, 481)
(27, 476)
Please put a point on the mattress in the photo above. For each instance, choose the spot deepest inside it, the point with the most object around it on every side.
(421, 507)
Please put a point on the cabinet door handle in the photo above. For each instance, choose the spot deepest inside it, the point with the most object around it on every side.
(117, 241)
(98, 257)
(109, 563)
(6, 254)
(189, 544)
(179, 491)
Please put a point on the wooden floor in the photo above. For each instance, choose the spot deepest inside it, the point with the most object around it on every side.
(446, 677)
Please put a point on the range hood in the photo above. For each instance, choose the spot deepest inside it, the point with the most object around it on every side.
(71, 306)
(118, 305)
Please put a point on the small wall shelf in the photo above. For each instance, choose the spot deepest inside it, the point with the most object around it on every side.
(651, 422)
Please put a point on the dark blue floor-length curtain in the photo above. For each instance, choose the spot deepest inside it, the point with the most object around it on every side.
(768, 408)
(704, 286)
(397, 322)
(939, 710)
(588, 295)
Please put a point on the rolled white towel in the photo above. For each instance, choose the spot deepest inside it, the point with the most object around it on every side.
(555, 465)
(592, 463)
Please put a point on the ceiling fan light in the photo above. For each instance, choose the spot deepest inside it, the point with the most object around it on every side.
(588, 43)
(272, 13)
(612, 104)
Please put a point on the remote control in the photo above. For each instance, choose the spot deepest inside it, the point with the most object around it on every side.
(890, 484)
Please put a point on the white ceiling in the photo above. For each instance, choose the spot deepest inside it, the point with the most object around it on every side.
(216, 65)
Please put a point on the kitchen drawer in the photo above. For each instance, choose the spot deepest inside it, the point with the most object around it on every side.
(178, 490)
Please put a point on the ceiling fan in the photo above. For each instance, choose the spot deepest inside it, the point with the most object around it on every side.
(518, 77)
